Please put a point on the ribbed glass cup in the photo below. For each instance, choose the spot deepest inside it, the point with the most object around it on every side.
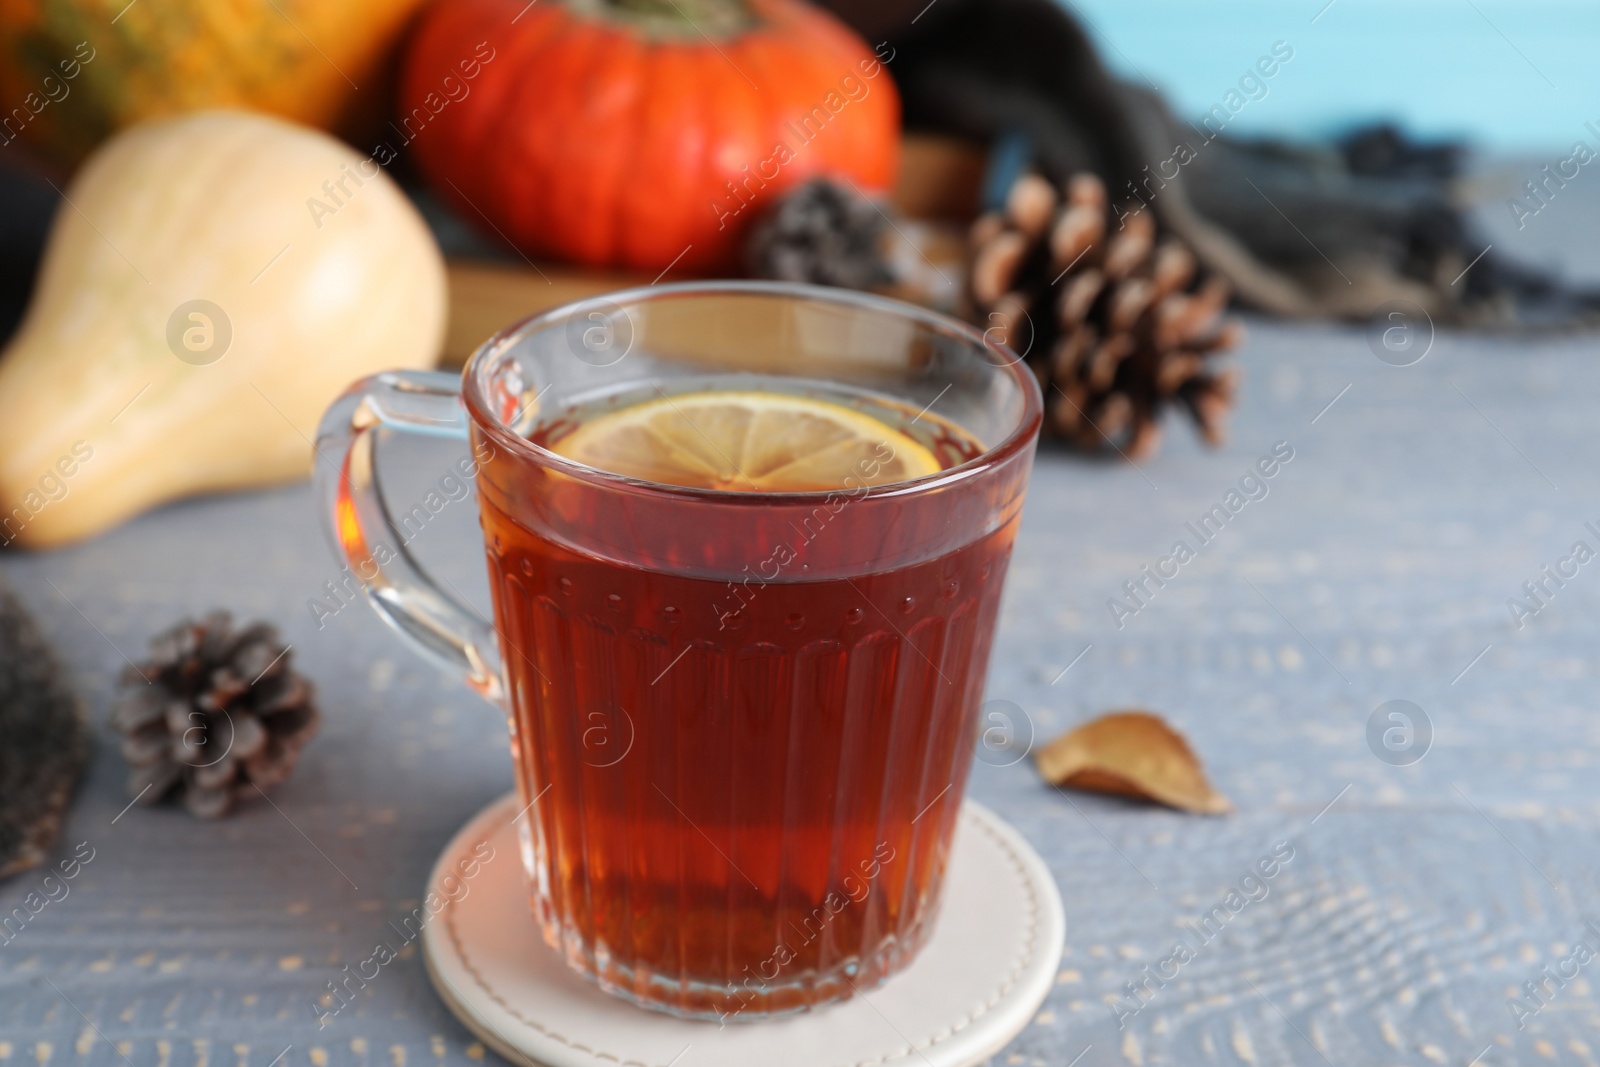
(742, 722)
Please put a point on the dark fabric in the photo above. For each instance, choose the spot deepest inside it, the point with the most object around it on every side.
(27, 204)
(1314, 230)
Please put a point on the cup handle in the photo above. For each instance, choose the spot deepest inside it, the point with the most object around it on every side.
(369, 541)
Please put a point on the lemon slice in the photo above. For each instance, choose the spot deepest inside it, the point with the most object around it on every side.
(748, 442)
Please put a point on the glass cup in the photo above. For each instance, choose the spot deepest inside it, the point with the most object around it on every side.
(741, 721)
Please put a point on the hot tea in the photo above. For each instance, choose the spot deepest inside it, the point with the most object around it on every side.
(745, 543)
(742, 780)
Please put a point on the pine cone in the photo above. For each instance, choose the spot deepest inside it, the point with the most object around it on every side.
(1111, 319)
(44, 741)
(214, 712)
(823, 233)
(827, 233)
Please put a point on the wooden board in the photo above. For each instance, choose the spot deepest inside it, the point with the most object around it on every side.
(939, 179)
(487, 296)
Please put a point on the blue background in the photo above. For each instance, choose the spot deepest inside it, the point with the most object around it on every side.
(1512, 77)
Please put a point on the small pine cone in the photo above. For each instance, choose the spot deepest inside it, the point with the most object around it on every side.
(213, 713)
(1115, 319)
(822, 233)
(828, 233)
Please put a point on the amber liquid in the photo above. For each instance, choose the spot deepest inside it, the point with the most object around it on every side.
(742, 792)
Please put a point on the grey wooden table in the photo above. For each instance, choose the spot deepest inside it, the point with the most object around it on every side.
(1418, 898)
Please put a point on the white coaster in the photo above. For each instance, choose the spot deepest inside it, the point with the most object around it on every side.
(978, 981)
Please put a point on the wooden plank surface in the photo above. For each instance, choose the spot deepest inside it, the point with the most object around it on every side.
(1419, 900)
(1377, 567)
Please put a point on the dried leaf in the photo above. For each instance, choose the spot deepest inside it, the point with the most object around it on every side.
(1134, 754)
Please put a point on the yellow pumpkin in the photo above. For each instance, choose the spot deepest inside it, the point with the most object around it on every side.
(213, 282)
(72, 72)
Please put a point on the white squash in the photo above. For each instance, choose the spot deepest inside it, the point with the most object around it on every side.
(113, 395)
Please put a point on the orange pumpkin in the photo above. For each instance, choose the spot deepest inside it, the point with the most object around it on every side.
(73, 72)
(635, 132)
